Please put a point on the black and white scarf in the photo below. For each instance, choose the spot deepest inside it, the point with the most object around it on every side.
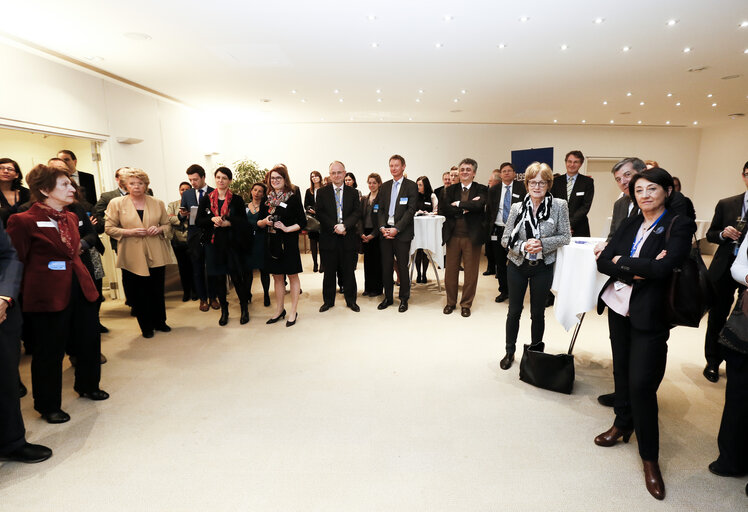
(529, 220)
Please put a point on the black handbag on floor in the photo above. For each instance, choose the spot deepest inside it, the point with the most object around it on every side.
(554, 372)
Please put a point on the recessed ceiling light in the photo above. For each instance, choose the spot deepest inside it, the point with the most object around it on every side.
(375, 45)
(695, 122)
(341, 100)
(555, 120)
(265, 100)
(626, 48)
(351, 118)
(448, 17)
(137, 36)
(410, 119)
(293, 91)
(687, 49)
(379, 91)
(381, 119)
(335, 91)
(597, 21)
(641, 103)
(420, 91)
(677, 104)
(744, 24)
(605, 102)
(524, 19)
(670, 95)
(418, 100)
(714, 104)
(379, 100)
(667, 122)
(584, 121)
(463, 91)
(709, 95)
(611, 121)
(671, 23)
(564, 47)
(638, 122)
(303, 100)
(745, 51)
(439, 45)
(501, 46)
(628, 94)
(371, 17)
(321, 118)
(456, 100)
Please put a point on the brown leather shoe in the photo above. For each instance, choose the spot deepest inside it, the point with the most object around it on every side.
(653, 479)
(612, 435)
(465, 312)
(215, 304)
(204, 306)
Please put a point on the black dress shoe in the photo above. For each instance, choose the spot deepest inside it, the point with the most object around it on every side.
(186, 297)
(506, 363)
(96, 394)
(28, 453)
(148, 334)
(194, 297)
(324, 307)
(385, 304)
(715, 468)
(341, 290)
(403, 307)
(163, 328)
(488, 273)
(448, 309)
(102, 359)
(290, 322)
(502, 297)
(273, 320)
(22, 391)
(103, 329)
(354, 307)
(607, 400)
(711, 372)
(56, 416)
(465, 312)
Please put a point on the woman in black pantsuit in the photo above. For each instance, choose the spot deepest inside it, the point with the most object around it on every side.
(640, 258)
(370, 240)
(283, 216)
(222, 217)
(310, 205)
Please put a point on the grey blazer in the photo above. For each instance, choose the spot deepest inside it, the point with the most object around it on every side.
(555, 231)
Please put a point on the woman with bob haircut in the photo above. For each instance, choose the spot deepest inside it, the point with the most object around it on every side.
(639, 259)
(59, 296)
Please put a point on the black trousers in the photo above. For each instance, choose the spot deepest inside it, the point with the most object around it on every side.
(147, 297)
(264, 280)
(372, 265)
(391, 249)
(51, 333)
(184, 263)
(203, 288)
(639, 359)
(540, 278)
(490, 258)
(725, 287)
(12, 431)
(733, 431)
(499, 257)
(339, 261)
(242, 285)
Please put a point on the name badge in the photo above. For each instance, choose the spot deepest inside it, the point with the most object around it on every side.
(56, 265)
(494, 238)
(427, 203)
(403, 200)
(515, 195)
(580, 193)
(550, 221)
(376, 208)
(45, 224)
(283, 205)
(80, 223)
(617, 285)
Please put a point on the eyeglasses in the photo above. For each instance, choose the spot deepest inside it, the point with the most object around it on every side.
(8, 168)
(537, 184)
(745, 175)
(276, 178)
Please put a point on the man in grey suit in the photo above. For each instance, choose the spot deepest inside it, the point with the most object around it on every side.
(13, 445)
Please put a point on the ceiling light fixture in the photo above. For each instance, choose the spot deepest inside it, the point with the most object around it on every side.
(671, 23)
(379, 91)
(744, 24)
(456, 100)
(439, 45)
(341, 100)
(597, 21)
(605, 102)
(667, 122)
(695, 122)
(335, 91)
(501, 46)
(626, 48)
(555, 120)
(639, 122)
(375, 45)
(524, 19)
(303, 100)
(677, 104)
(628, 94)
(670, 95)
(137, 36)
(687, 49)
(745, 51)
(293, 91)
(611, 121)
(714, 104)
(641, 103)
(418, 100)
(448, 17)
(371, 17)
(420, 91)
(463, 91)
(709, 95)
(379, 100)
(584, 121)
(564, 47)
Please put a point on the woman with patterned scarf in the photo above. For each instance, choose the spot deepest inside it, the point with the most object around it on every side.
(283, 215)
(226, 235)
(535, 229)
(59, 296)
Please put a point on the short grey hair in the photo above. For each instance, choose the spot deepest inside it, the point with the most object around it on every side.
(637, 163)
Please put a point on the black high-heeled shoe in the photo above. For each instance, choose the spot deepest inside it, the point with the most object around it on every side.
(289, 323)
(273, 320)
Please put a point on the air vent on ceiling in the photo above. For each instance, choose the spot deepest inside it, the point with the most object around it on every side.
(264, 100)
(455, 110)
(696, 69)
(730, 77)
(624, 113)
(736, 115)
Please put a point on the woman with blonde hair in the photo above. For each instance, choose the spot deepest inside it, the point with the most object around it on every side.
(141, 226)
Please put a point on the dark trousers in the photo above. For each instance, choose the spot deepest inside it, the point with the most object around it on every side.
(339, 261)
(264, 280)
(490, 258)
(203, 288)
(147, 297)
(500, 259)
(421, 262)
(51, 333)
(733, 431)
(639, 359)
(184, 263)
(12, 431)
(372, 265)
(461, 249)
(241, 282)
(391, 249)
(725, 287)
(540, 278)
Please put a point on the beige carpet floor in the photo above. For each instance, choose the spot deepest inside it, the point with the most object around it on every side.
(375, 411)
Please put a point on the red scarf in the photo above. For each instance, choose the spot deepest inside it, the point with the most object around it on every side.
(65, 226)
(224, 211)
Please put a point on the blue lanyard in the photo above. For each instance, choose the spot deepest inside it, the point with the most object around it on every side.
(639, 240)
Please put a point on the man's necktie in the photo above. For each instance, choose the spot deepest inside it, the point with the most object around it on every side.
(339, 202)
(569, 186)
(200, 192)
(507, 202)
(393, 198)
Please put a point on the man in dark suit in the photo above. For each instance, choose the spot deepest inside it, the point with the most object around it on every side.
(725, 233)
(446, 181)
(578, 191)
(188, 211)
(397, 207)
(500, 199)
(84, 179)
(338, 211)
(13, 445)
(463, 231)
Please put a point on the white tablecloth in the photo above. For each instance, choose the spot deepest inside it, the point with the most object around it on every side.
(428, 236)
(576, 281)
(702, 226)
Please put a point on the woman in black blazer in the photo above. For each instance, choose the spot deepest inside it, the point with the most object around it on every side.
(12, 194)
(283, 215)
(226, 235)
(640, 258)
(310, 205)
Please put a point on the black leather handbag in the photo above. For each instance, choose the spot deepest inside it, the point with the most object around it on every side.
(554, 372)
(735, 332)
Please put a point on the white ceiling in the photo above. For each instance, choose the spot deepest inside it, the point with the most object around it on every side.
(224, 57)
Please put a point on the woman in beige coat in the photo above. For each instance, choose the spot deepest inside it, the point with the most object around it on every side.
(140, 224)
